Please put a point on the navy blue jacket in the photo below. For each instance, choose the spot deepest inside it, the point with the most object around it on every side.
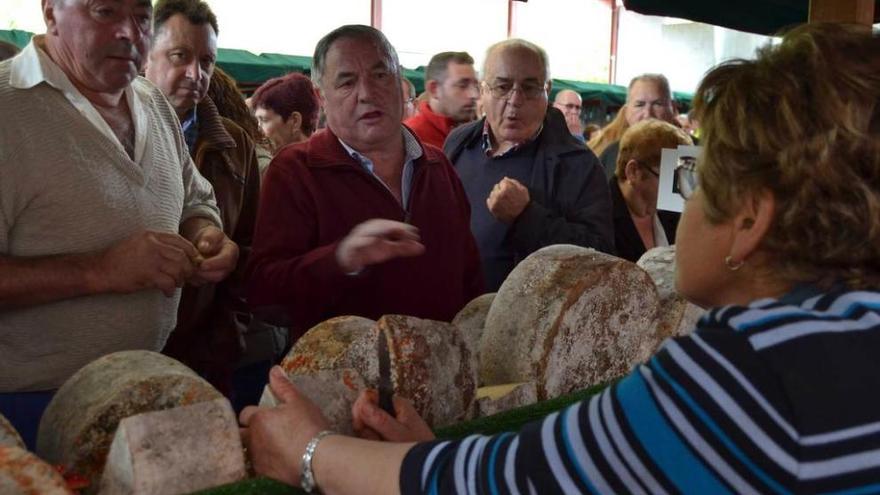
(570, 200)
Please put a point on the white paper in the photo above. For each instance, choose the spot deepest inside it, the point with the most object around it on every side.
(668, 198)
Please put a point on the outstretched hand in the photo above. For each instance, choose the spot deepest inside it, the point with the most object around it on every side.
(377, 241)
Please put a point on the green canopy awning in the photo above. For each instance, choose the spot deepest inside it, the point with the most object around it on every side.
(754, 16)
(16, 37)
(250, 70)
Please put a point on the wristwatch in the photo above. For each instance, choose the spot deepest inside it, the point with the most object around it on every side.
(307, 477)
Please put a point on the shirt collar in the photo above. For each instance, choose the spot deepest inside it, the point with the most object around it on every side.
(488, 148)
(412, 149)
(33, 66)
(190, 127)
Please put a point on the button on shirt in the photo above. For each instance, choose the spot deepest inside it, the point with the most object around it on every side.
(413, 151)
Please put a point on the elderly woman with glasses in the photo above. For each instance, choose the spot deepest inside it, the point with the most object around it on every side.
(776, 389)
(638, 225)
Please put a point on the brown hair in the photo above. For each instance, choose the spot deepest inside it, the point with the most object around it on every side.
(801, 122)
(229, 101)
(644, 142)
(196, 11)
(438, 66)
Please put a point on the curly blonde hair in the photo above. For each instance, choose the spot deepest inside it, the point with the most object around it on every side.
(801, 121)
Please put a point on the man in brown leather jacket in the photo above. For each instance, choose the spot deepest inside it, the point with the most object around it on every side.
(180, 63)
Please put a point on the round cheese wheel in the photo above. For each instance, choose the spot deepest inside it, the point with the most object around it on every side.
(338, 343)
(433, 366)
(472, 318)
(677, 315)
(9, 436)
(23, 473)
(567, 318)
(79, 424)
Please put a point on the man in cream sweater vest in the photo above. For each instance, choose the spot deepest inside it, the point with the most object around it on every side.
(102, 215)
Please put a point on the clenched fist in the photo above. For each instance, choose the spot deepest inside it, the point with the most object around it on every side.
(507, 200)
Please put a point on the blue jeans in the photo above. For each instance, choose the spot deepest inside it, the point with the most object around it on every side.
(24, 410)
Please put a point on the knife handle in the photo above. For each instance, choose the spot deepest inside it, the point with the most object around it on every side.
(386, 403)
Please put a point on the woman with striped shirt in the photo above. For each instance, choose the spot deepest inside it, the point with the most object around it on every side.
(776, 391)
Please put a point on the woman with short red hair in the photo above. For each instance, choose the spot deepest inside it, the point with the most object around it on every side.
(287, 109)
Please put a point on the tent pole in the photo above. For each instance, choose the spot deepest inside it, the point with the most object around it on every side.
(376, 14)
(855, 11)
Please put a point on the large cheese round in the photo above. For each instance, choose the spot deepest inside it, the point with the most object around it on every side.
(78, 426)
(567, 318)
(9, 436)
(338, 343)
(472, 318)
(23, 473)
(433, 366)
(677, 315)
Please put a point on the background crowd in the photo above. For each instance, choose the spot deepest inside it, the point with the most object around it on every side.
(145, 204)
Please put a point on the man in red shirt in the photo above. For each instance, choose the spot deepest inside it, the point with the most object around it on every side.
(453, 91)
(362, 219)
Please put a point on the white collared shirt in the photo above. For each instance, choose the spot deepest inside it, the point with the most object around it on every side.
(33, 66)
(413, 151)
(660, 239)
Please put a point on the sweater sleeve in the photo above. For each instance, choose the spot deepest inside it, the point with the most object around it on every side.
(288, 270)
(586, 221)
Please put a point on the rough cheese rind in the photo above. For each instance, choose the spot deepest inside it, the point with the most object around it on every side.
(79, 424)
(23, 473)
(677, 316)
(472, 318)
(433, 366)
(178, 450)
(568, 318)
(9, 436)
(338, 343)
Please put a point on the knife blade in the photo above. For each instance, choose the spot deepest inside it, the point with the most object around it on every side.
(386, 387)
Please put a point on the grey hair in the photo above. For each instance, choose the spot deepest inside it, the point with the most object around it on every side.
(658, 80)
(519, 43)
(349, 31)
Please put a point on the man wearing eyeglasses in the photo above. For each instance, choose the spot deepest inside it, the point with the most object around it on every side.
(529, 182)
(453, 90)
(569, 103)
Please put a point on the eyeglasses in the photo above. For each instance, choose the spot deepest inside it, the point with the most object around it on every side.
(505, 89)
(685, 181)
(647, 167)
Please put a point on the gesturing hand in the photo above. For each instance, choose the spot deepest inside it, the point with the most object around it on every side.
(377, 241)
(507, 200)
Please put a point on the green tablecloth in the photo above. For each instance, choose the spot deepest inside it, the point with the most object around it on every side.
(507, 421)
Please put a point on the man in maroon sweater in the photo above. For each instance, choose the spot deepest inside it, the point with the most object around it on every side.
(362, 219)
(453, 90)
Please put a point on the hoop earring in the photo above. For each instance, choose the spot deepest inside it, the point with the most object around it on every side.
(733, 265)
